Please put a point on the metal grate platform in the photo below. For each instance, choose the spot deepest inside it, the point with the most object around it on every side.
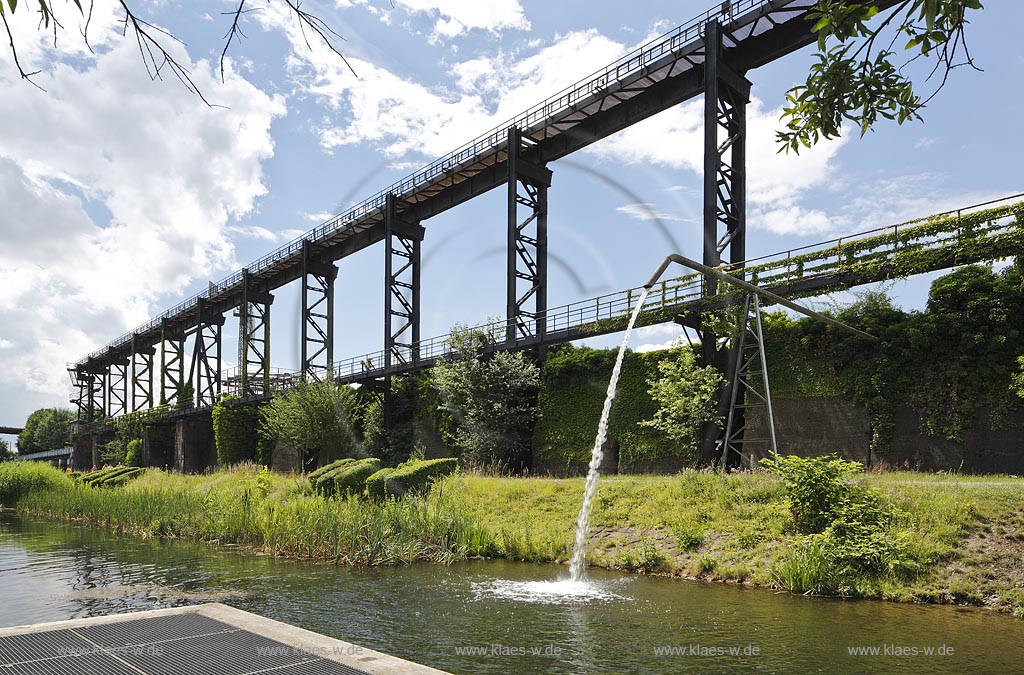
(184, 640)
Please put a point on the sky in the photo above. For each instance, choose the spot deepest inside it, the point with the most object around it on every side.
(120, 195)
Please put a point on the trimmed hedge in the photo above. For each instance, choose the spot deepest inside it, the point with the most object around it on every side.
(93, 476)
(413, 477)
(314, 476)
(351, 478)
(121, 478)
(376, 485)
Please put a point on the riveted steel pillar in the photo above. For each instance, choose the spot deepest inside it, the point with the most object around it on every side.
(254, 338)
(142, 375)
(726, 93)
(402, 243)
(172, 363)
(317, 314)
(206, 355)
(527, 265)
(117, 386)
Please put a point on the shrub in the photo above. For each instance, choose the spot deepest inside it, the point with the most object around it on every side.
(351, 478)
(122, 477)
(235, 430)
(314, 476)
(412, 477)
(133, 453)
(817, 487)
(376, 485)
(19, 478)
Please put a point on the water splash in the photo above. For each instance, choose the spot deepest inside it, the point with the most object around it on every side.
(577, 566)
(562, 592)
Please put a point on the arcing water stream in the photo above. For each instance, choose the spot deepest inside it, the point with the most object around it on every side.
(577, 565)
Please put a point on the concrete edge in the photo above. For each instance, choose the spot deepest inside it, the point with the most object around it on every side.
(300, 639)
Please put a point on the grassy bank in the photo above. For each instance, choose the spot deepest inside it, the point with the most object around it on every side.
(954, 539)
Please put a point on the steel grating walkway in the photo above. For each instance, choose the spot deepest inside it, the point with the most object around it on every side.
(184, 640)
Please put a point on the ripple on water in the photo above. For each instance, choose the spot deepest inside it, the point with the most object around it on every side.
(558, 592)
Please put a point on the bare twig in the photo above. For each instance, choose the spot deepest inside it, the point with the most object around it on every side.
(231, 35)
(317, 25)
(14, 53)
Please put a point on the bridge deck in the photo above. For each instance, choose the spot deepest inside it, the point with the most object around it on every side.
(650, 79)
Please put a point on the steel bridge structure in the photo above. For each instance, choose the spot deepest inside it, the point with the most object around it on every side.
(174, 360)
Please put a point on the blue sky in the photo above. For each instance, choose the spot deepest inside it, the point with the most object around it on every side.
(122, 196)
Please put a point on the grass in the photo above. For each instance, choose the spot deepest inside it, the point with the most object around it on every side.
(966, 533)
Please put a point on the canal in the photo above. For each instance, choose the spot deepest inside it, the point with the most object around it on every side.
(486, 616)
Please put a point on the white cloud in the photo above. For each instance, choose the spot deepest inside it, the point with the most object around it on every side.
(403, 117)
(117, 190)
(656, 338)
(455, 17)
(776, 182)
(647, 212)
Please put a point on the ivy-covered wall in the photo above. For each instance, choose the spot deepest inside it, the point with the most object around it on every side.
(574, 382)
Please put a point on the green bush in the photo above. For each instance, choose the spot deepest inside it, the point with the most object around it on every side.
(19, 478)
(376, 485)
(351, 478)
(849, 540)
(133, 453)
(413, 477)
(817, 487)
(315, 476)
(93, 476)
(123, 477)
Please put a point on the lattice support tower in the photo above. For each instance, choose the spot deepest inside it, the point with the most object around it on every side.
(726, 94)
(117, 386)
(204, 372)
(402, 241)
(527, 269)
(254, 338)
(317, 314)
(172, 363)
(748, 389)
(142, 375)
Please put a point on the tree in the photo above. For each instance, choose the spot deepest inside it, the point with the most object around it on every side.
(686, 396)
(493, 401)
(856, 77)
(46, 429)
(153, 41)
(5, 451)
(314, 417)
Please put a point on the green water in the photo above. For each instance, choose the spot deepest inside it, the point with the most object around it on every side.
(446, 616)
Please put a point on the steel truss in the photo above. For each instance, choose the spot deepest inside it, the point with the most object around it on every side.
(317, 314)
(117, 387)
(748, 388)
(527, 282)
(142, 376)
(204, 372)
(172, 364)
(254, 338)
(726, 93)
(402, 242)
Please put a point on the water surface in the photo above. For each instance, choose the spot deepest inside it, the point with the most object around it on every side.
(472, 617)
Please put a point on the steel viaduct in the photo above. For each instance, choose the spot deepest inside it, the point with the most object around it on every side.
(179, 352)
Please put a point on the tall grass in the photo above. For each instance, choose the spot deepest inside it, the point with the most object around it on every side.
(252, 508)
(20, 478)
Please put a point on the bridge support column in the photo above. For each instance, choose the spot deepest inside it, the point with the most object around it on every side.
(254, 338)
(194, 449)
(158, 445)
(172, 364)
(117, 381)
(205, 370)
(726, 94)
(402, 243)
(527, 271)
(142, 375)
(317, 315)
